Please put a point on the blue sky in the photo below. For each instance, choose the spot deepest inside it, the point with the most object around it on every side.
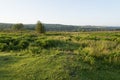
(75, 12)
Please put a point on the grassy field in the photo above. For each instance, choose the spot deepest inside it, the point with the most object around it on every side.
(60, 56)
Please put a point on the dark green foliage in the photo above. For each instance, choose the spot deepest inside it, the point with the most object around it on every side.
(18, 26)
(10, 43)
(40, 27)
(52, 43)
(35, 50)
(3, 46)
(23, 44)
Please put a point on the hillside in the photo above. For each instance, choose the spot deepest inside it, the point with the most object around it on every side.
(68, 28)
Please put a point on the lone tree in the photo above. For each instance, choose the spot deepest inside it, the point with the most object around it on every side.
(40, 27)
(18, 26)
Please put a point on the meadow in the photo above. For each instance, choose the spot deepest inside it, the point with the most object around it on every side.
(60, 55)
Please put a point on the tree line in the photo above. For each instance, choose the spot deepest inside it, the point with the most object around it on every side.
(39, 27)
(57, 27)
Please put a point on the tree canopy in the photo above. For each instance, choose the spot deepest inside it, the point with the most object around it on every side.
(18, 26)
(40, 27)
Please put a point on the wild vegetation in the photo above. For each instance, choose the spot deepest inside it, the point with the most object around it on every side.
(60, 56)
(18, 26)
(40, 27)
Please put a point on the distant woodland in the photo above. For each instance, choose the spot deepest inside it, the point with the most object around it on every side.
(67, 28)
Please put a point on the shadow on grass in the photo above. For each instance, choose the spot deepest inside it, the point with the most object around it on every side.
(62, 45)
(6, 62)
(8, 59)
(56, 34)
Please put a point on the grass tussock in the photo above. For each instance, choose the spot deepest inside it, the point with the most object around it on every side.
(60, 56)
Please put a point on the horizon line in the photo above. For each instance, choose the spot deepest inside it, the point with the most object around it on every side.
(61, 24)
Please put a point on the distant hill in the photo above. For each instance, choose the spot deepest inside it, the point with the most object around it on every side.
(60, 27)
(5, 25)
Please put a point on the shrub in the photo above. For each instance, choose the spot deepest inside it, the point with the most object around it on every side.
(40, 27)
(23, 44)
(89, 60)
(34, 50)
(3, 46)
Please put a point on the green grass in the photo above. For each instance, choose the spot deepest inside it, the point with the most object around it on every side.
(60, 56)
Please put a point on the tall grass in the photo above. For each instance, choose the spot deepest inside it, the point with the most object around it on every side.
(60, 56)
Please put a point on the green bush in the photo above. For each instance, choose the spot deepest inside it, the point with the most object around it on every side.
(3, 47)
(34, 50)
(23, 44)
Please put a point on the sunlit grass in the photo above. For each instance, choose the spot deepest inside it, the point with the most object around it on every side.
(60, 56)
